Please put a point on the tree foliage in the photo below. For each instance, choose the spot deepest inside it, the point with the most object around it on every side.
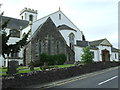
(11, 48)
(87, 57)
(4, 25)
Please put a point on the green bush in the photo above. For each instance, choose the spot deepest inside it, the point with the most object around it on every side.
(87, 57)
(53, 59)
(49, 59)
(61, 58)
(38, 63)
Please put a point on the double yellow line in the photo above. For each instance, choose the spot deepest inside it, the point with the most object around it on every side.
(78, 78)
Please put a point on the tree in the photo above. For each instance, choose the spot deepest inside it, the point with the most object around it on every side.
(12, 48)
(87, 57)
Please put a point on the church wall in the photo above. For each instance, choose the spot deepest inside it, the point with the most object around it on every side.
(70, 55)
(57, 21)
(113, 57)
(25, 30)
(78, 53)
(28, 53)
(102, 48)
(66, 33)
(96, 59)
(40, 46)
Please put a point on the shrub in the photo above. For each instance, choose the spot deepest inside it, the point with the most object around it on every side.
(61, 58)
(87, 57)
(37, 63)
(53, 59)
(114, 61)
(43, 57)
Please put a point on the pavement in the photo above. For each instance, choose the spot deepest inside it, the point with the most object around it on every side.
(105, 79)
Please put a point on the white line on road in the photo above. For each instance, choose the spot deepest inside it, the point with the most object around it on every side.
(108, 80)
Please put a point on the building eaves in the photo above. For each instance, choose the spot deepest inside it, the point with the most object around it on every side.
(65, 27)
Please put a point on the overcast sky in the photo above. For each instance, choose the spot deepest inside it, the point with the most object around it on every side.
(97, 19)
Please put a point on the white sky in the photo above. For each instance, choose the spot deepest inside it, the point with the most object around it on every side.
(97, 19)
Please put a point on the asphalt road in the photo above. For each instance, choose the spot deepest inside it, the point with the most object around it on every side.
(107, 78)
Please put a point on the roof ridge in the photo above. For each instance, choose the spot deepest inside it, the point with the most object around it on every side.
(97, 40)
(14, 18)
(46, 16)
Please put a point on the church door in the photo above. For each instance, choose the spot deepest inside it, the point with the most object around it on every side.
(105, 55)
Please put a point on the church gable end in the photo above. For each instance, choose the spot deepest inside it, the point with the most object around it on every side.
(106, 42)
(47, 40)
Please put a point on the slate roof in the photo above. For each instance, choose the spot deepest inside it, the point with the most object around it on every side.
(85, 44)
(82, 43)
(114, 49)
(15, 23)
(63, 27)
(96, 42)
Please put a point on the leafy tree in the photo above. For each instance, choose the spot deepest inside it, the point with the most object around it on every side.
(87, 57)
(12, 48)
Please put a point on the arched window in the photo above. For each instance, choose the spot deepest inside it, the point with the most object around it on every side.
(57, 47)
(39, 47)
(22, 17)
(31, 18)
(59, 16)
(115, 56)
(49, 47)
(25, 16)
(71, 40)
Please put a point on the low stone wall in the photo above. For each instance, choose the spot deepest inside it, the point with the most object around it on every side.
(25, 79)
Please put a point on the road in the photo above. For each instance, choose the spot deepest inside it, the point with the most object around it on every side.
(107, 78)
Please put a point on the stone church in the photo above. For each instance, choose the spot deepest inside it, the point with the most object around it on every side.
(53, 34)
(47, 39)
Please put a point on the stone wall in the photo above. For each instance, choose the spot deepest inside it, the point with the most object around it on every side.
(48, 45)
(70, 55)
(27, 54)
(39, 77)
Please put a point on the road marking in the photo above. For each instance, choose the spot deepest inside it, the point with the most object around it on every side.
(58, 84)
(108, 80)
(77, 78)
